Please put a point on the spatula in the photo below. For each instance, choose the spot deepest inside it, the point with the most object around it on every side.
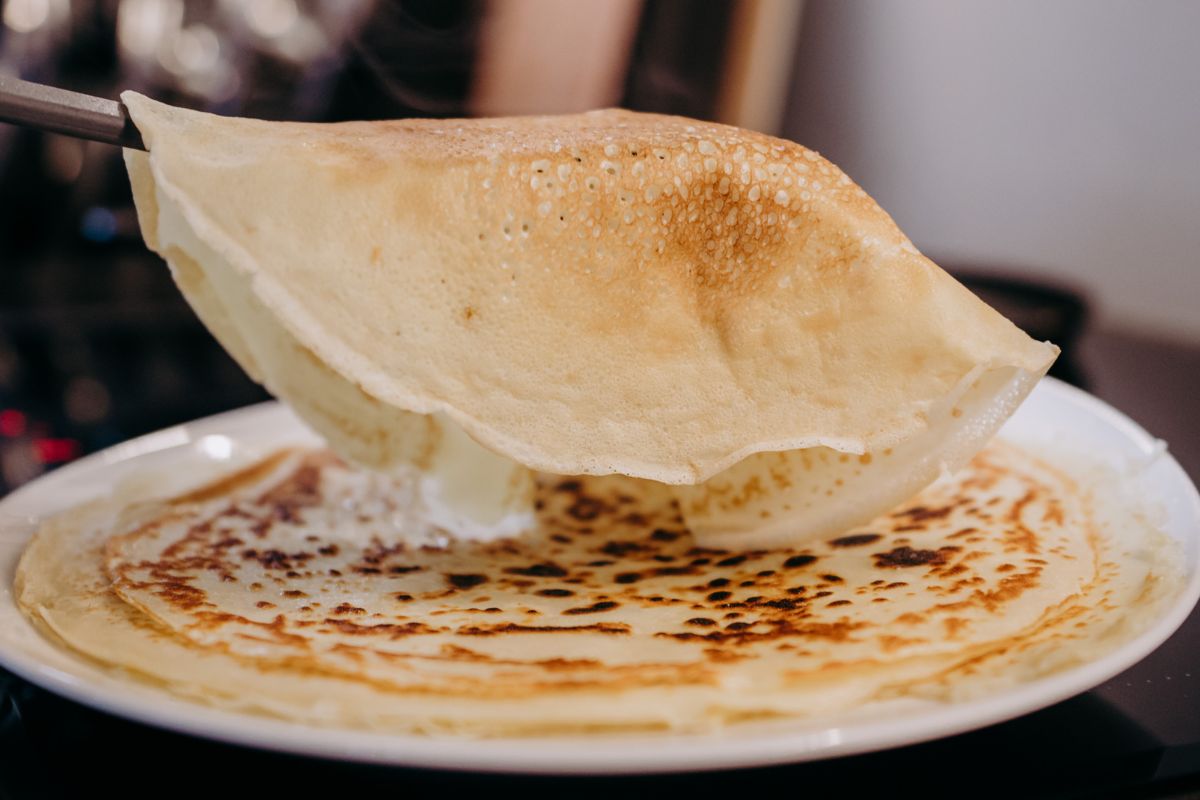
(59, 111)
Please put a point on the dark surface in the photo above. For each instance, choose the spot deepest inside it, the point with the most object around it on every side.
(1137, 735)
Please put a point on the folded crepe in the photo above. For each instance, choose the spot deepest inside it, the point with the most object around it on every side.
(467, 302)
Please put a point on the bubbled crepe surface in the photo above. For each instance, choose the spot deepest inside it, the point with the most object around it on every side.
(609, 292)
(286, 589)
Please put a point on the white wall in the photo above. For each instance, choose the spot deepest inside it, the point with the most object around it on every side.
(1062, 136)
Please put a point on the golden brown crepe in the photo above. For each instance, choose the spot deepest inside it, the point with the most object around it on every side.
(291, 589)
(608, 292)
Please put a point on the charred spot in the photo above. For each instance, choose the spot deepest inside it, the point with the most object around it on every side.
(403, 569)
(662, 558)
(799, 561)
(702, 622)
(601, 563)
(634, 518)
(923, 513)
(329, 550)
(766, 573)
(556, 593)
(561, 538)
(689, 570)
(621, 549)
(738, 626)
(234, 510)
(716, 597)
(367, 570)
(717, 583)
(299, 490)
(391, 630)
(203, 527)
(628, 577)
(839, 603)
(732, 561)
(585, 508)
(264, 604)
(832, 578)
(181, 595)
(664, 535)
(403, 597)
(544, 570)
(268, 559)
(797, 590)
(346, 608)
(594, 608)
(856, 540)
(705, 551)
(746, 584)
(493, 630)
(467, 581)
(908, 557)
(822, 594)
(294, 593)
(700, 562)
(571, 486)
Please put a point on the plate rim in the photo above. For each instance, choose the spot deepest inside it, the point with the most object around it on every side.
(629, 754)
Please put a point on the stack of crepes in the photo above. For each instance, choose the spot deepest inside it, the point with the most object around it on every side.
(643, 404)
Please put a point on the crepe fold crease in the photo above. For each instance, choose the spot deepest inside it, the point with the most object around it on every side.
(603, 293)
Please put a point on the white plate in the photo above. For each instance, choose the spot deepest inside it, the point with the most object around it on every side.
(1054, 409)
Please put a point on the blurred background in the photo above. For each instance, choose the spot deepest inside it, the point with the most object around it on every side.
(1048, 154)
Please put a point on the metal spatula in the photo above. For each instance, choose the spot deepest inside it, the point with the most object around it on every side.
(59, 111)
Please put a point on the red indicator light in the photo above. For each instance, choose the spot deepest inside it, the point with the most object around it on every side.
(12, 423)
(55, 451)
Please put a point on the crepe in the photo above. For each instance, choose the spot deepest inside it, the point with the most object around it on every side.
(291, 588)
(604, 293)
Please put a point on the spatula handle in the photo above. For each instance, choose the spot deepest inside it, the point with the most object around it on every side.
(60, 111)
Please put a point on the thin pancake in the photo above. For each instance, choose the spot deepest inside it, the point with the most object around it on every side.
(609, 292)
(607, 616)
(599, 293)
